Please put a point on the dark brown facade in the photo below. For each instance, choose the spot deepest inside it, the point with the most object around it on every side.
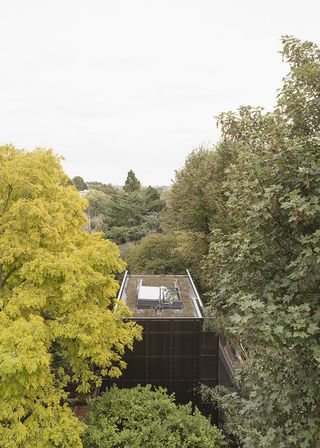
(176, 354)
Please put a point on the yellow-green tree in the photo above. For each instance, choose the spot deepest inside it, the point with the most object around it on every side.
(58, 330)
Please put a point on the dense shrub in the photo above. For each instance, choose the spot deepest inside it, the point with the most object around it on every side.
(142, 417)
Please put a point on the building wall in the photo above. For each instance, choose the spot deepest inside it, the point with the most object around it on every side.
(176, 354)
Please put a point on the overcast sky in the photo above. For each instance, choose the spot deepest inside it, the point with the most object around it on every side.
(135, 84)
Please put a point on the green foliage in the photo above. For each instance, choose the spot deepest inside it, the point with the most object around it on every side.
(264, 274)
(195, 205)
(132, 215)
(107, 189)
(153, 201)
(192, 247)
(79, 183)
(142, 417)
(97, 207)
(57, 328)
(132, 183)
(156, 254)
(124, 217)
(299, 99)
(195, 202)
(98, 202)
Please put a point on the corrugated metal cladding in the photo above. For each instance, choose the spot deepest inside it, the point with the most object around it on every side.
(176, 354)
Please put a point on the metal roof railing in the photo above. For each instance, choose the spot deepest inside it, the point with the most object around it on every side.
(197, 300)
(122, 285)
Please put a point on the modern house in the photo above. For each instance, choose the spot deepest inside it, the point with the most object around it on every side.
(176, 352)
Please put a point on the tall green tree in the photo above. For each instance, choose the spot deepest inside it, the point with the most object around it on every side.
(156, 254)
(124, 217)
(79, 183)
(98, 202)
(195, 204)
(97, 208)
(264, 275)
(142, 417)
(58, 330)
(132, 215)
(153, 200)
(132, 183)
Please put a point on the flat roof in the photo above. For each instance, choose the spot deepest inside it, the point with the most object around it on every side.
(191, 302)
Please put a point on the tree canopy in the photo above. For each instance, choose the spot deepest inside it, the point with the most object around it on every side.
(142, 417)
(195, 204)
(97, 208)
(156, 254)
(79, 183)
(108, 189)
(244, 216)
(264, 273)
(132, 183)
(124, 215)
(58, 331)
(132, 215)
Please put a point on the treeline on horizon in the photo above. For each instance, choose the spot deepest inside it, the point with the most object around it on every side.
(243, 216)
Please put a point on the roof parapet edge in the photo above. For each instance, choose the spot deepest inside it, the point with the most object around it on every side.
(198, 302)
(122, 285)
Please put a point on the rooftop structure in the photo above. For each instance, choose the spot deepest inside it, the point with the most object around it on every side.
(176, 352)
(161, 296)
